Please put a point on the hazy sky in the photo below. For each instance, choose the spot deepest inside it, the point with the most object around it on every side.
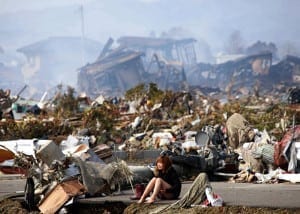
(210, 22)
(26, 21)
(8, 6)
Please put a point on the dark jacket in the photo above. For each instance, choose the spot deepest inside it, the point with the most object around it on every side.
(172, 178)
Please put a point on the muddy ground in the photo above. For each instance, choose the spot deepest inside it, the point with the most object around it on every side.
(213, 210)
(10, 206)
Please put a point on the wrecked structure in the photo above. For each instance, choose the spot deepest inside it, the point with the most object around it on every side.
(172, 65)
(287, 71)
(138, 60)
(168, 75)
(248, 75)
(239, 75)
(181, 50)
(112, 74)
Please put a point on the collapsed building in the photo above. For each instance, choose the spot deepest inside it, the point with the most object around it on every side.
(253, 74)
(238, 75)
(138, 60)
(113, 74)
(287, 71)
(172, 65)
(181, 50)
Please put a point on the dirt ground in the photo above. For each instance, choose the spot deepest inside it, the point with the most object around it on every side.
(10, 206)
(210, 210)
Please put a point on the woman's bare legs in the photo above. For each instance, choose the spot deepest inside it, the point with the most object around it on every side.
(160, 186)
(148, 189)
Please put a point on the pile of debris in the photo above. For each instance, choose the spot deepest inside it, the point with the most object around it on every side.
(90, 149)
(57, 174)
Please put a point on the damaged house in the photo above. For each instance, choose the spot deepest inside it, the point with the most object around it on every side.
(287, 71)
(138, 60)
(112, 74)
(168, 75)
(172, 65)
(247, 75)
(181, 50)
(238, 75)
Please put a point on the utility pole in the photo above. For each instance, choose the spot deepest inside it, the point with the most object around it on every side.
(82, 35)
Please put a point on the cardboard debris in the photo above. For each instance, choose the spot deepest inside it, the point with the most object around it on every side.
(59, 195)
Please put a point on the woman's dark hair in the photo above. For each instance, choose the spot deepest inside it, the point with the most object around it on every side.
(165, 160)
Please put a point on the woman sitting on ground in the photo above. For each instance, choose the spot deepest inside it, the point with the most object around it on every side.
(165, 184)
